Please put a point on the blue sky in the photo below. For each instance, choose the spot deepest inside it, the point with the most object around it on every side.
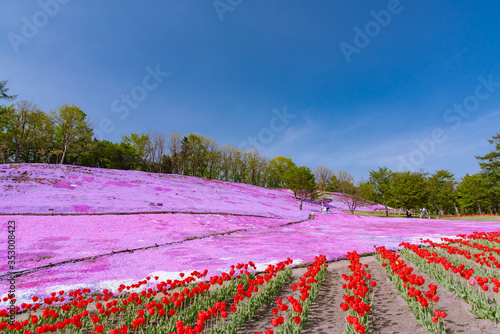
(353, 85)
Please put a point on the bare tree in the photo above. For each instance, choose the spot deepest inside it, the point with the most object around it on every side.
(344, 177)
(159, 144)
(226, 160)
(154, 151)
(174, 145)
(255, 166)
(240, 165)
(264, 164)
(212, 156)
(323, 175)
(351, 192)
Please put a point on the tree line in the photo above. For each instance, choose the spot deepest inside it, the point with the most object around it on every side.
(65, 135)
(439, 192)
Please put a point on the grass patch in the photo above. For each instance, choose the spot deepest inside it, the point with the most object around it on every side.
(376, 214)
(476, 218)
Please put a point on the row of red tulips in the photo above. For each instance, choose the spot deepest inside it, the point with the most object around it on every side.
(410, 287)
(292, 317)
(73, 314)
(357, 301)
(247, 300)
(457, 277)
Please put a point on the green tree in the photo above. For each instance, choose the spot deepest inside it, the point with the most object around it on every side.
(381, 182)
(4, 148)
(4, 90)
(472, 193)
(276, 169)
(71, 125)
(257, 165)
(409, 190)
(301, 181)
(193, 154)
(23, 130)
(441, 185)
(141, 143)
(333, 184)
(490, 167)
(366, 191)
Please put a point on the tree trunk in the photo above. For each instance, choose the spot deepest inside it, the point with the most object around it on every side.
(386, 211)
(301, 200)
(64, 154)
(18, 154)
(456, 209)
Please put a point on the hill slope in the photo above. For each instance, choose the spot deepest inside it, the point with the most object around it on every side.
(41, 188)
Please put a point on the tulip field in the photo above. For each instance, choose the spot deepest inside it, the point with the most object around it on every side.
(107, 251)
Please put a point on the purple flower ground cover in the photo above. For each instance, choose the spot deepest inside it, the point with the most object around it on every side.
(42, 240)
(42, 188)
(330, 234)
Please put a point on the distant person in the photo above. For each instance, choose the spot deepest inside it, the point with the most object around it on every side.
(328, 210)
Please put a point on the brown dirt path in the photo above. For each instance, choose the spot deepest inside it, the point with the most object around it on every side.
(390, 314)
(325, 315)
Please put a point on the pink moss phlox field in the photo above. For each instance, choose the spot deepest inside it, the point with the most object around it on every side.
(45, 239)
(42, 188)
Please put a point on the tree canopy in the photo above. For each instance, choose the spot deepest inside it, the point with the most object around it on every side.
(381, 182)
(301, 181)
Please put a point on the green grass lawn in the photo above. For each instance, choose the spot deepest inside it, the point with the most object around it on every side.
(382, 214)
(375, 214)
(480, 218)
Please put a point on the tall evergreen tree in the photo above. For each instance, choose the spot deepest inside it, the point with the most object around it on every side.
(490, 167)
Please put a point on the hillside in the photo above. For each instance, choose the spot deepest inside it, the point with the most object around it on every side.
(46, 189)
(41, 188)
